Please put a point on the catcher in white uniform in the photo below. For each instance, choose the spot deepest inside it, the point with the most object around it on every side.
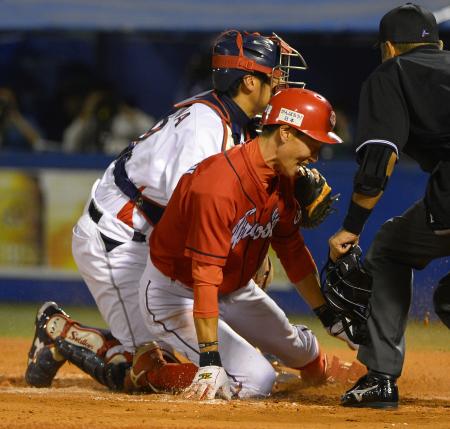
(110, 239)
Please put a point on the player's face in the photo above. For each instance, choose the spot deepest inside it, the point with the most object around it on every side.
(263, 94)
(298, 149)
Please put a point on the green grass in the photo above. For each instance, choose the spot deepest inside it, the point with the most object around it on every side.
(18, 321)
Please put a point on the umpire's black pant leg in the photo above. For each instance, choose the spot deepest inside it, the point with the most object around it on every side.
(402, 243)
(441, 299)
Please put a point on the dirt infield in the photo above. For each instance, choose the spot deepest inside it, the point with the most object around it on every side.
(77, 402)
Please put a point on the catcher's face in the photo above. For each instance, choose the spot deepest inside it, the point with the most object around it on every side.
(296, 149)
(255, 93)
(262, 94)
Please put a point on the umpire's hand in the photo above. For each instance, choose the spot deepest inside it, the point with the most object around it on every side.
(341, 242)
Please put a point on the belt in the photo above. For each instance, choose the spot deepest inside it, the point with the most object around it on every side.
(96, 215)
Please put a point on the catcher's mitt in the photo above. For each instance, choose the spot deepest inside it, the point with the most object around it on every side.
(314, 196)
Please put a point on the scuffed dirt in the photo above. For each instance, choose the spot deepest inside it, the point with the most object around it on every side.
(75, 401)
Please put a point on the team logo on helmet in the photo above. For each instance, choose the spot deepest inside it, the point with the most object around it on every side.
(332, 119)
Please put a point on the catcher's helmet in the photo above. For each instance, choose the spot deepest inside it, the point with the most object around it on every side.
(304, 110)
(237, 54)
(346, 286)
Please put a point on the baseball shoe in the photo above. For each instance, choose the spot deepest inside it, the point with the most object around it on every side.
(44, 360)
(372, 391)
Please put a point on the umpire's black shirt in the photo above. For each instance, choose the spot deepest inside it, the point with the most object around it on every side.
(405, 104)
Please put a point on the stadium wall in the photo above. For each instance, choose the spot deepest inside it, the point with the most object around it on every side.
(43, 195)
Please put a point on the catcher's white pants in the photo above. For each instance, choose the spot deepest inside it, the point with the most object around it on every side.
(248, 318)
(113, 277)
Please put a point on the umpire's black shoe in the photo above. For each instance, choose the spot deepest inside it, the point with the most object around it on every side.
(43, 359)
(372, 391)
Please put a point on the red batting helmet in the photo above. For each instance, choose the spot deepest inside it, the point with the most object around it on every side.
(304, 110)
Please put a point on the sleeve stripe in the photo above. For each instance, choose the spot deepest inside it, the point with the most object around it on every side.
(206, 254)
(377, 141)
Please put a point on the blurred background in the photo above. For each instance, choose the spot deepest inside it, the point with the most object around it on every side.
(80, 79)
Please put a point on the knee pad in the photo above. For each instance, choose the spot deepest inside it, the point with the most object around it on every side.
(97, 340)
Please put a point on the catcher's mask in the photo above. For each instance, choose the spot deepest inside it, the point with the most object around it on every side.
(347, 286)
(236, 54)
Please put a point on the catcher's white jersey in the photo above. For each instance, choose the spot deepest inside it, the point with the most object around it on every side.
(109, 260)
(158, 161)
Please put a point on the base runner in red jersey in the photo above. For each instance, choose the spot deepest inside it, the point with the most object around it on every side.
(197, 292)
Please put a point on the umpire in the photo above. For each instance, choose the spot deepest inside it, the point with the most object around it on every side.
(404, 107)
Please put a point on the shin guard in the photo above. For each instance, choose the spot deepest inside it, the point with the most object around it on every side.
(110, 375)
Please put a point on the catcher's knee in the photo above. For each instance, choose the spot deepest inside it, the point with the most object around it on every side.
(441, 300)
(95, 351)
(97, 340)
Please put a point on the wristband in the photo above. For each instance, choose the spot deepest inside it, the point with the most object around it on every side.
(326, 315)
(210, 359)
(356, 218)
(205, 345)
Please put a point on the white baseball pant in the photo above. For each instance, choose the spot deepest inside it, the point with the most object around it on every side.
(248, 318)
(113, 276)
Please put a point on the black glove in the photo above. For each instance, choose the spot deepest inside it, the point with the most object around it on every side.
(333, 325)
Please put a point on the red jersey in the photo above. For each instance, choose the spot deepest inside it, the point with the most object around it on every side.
(226, 211)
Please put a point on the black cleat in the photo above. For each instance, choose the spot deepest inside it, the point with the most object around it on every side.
(372, 391)
(43, 359)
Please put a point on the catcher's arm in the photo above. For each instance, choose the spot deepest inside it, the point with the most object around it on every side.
(313, 193)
